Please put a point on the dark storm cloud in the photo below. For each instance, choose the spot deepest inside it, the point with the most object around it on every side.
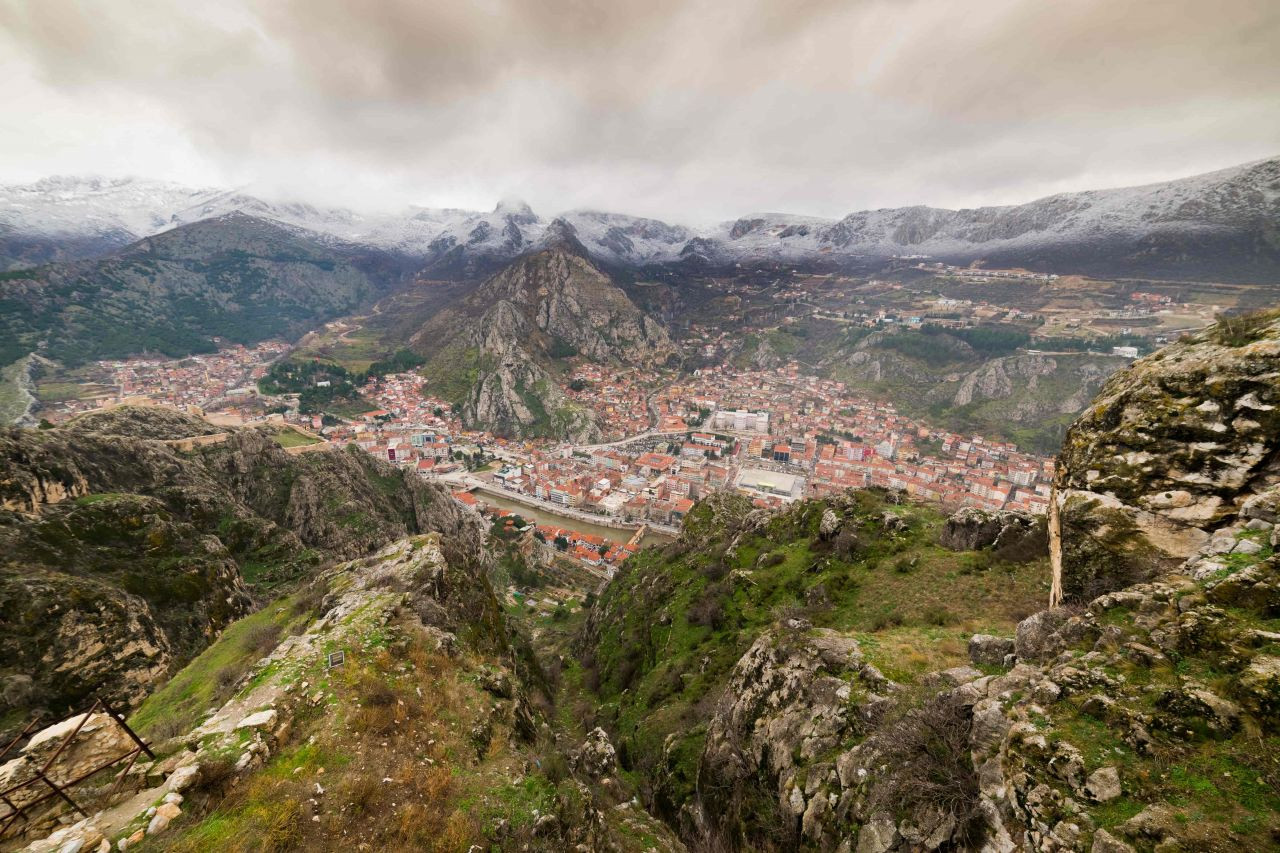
(684, 110)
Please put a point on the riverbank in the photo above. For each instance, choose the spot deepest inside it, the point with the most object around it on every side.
(614, 531)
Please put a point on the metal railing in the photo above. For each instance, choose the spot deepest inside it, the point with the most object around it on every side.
(21, 811)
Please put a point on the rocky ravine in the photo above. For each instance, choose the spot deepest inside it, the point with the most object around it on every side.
(124, 555)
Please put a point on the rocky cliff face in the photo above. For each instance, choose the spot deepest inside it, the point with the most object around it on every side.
(108, 595)
(124, 556)
(1029, 398)
(543, 307)
(797, 687)
(1173, 451)
(812, 749)
(1012, 535)
(1019, 377)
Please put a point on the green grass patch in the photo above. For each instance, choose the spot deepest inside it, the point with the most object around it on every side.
(206, 681)
(290, 437)
(99, 497)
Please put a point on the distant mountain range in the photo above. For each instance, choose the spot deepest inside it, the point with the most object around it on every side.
(234, 277)
(1224, 225)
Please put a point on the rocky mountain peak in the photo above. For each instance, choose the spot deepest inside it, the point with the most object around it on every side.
(517, 210)
(547, 305)
(1212, 226)
(562, 236)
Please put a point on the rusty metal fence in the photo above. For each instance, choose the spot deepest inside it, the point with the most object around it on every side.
(15, 796)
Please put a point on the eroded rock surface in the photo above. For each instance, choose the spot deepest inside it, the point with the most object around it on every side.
(1183, 444)
(122, 555)
(1009, 534)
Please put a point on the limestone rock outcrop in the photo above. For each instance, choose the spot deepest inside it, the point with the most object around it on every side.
(1173, 450)
(1010, 534)
(793, 698)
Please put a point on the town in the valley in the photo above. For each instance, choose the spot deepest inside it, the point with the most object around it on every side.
(777, 434)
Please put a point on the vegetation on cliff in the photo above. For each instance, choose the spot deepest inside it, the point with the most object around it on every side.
(743, 671)
(661, 641)
(118, 535)
(430, 735)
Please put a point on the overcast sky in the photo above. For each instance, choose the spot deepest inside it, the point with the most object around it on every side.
(690, 111)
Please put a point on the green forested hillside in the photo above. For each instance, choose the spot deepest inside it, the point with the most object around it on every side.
(236, 278)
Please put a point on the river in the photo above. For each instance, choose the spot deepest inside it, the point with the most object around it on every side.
(543, 516)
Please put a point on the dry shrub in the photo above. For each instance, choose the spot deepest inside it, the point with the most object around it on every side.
(382, 710)
(227, 678)
(708, 610)
(378, 694)
(937, 615)
(1237, 330)
(429, 660)
(168, 727)
(927, 751)
(310, 598)
(280, 823)
(216, 776)
(429, 827)
(361, 793)
(375, 719)
(424, 817)
(262, 639)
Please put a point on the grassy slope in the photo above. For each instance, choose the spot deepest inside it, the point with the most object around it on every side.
(404, 746)
(354, 351)
(13, 400)
(209, 679)
(292, 438)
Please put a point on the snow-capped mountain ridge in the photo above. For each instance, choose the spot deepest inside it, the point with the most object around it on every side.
(1235, 207)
